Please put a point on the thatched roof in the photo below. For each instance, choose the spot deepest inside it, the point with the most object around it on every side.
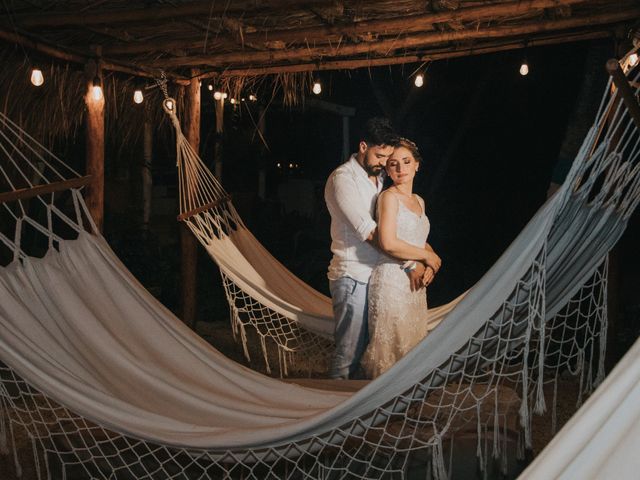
(266, 36)
(243, 43)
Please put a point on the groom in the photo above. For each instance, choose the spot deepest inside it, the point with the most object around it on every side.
(351, 193)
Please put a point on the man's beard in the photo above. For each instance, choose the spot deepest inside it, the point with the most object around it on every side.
(373, 170)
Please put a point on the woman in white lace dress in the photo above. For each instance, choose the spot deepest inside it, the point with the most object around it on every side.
(397, 315)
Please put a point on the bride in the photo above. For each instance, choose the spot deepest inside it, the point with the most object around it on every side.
(397, 315)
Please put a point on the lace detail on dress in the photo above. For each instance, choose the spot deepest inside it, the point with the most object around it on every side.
(397, 316)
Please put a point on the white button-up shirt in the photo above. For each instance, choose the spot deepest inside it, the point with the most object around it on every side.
(351, 200)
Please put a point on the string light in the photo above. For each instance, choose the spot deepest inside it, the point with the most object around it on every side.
(419, 80)
(224, 95)
(524, 68)
(96, 90)
(233, 101)
(253, 98)
(210, 87)
(37, 78)
(137, 96)
(217, 95)
(633, 59)
(317, 87)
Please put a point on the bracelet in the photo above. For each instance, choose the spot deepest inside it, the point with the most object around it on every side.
(410, 267)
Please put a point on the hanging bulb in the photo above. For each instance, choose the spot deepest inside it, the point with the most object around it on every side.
(253, 98)
(96, 90)
(233, 101)
(217, 95)
(137, 96)
(317, 87)
(633, 60)
(210, 87)
(524, 68)
(37, 78)
(419, 80)
(224, 95)
(168, 104)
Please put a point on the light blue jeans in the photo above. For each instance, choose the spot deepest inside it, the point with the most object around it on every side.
(351, 312)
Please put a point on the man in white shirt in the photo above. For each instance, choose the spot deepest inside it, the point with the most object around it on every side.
(351, 193)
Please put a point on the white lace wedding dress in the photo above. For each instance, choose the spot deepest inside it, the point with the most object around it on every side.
(397, 316)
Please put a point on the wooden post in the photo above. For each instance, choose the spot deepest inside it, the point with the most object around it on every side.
(188, 243)
(94, 133)
(217, 153)
(147, 179)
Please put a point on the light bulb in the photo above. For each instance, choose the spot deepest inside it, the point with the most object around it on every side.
(633, 60)
(96, 89)
(137, 96)
(419, 80)
(168, 104)
(253, 98)
(217, 95)
(210, 87)
(224, 95)
(524, 69)
(233, 101)
(317, 88)
(36, 77)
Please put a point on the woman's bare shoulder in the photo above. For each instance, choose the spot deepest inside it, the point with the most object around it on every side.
(387, 197)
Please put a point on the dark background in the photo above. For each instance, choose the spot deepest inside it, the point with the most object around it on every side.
(491, 140)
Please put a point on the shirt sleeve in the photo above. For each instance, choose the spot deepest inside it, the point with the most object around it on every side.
(343, 199)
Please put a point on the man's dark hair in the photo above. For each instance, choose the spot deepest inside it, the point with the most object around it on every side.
(378, 131)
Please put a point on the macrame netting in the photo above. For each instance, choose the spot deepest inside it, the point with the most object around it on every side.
(540, 310)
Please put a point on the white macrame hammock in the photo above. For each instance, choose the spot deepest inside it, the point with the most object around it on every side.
(106, 379)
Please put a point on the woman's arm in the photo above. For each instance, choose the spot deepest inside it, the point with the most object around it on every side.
(388, 240)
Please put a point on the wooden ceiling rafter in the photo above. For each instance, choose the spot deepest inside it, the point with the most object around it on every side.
(353, 64)
(74, 57)
(280, 36)
(387, 26)
(123, 15)
(387, 46)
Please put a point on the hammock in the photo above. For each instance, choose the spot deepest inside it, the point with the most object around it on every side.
(108, 380)
(601, 440)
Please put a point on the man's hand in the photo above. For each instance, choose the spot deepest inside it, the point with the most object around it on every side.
(416, 277)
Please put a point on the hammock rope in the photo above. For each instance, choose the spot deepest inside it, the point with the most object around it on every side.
(102, 376)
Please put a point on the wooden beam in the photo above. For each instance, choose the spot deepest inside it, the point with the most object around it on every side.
(94, 141)
(73, 57)
(188, 243)
(407, 24)
(24, 193)
(156, 12)
(415, 58)
(622, 84)
(332, 34)
(187, 215)
(386, 47)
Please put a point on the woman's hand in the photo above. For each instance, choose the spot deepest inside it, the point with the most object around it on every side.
(428, 276)
(416, 277)
(432, 260)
